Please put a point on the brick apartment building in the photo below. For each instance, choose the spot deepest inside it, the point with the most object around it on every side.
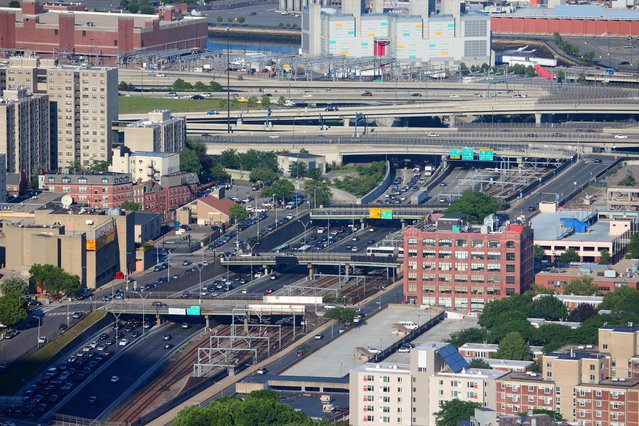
(596, 386)
(453, 264)
(176, 190)
(102, 36)
(607, 280)
(96, 190)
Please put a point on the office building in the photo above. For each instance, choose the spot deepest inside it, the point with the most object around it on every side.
(96, 190)
(24, 132)
(411, 394)
(453, 264)
(160, 132)
(83, 105)
(101, 37)
(144, 166)
(421, 35)
(93, 246)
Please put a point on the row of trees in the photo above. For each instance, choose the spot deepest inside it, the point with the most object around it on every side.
(193, 158)
(249, 160)
(573, 50)
(53, 280)
(13, 301)
(367, 178)
(230, 19)
(475, 205)
(180, 85)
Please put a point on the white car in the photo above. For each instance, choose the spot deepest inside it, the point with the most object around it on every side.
(621, 136)
(327, 307)
(432, 135)
(115, 379)
(124, 342)
(374, 350)
(42, 340)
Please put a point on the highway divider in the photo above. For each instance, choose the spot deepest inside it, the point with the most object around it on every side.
(374, 193)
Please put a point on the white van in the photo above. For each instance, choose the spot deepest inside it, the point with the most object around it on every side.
(410, 325)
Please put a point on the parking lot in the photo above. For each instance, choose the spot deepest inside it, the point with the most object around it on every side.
(376, 332)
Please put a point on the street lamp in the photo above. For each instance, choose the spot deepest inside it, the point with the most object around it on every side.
(228, 84)
(304, 225)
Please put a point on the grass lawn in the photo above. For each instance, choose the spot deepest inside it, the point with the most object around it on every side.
(142, 105)
(24, 371)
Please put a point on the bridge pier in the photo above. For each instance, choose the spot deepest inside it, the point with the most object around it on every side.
(451, 120)
(347, 122)
(538, 118)
(362, 225)
(403, 223)
(311, 271)
(207, 324)
(158, 320)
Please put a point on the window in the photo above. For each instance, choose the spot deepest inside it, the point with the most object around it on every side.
(494, 244)
(510, 268)
(461, 243)
(412, 241)
(445, 243)
(510, 244)
(429, 242)
(510, 280)
(510, 256)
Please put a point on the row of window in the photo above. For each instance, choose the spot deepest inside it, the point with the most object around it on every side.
(430, 242)
(461, 255)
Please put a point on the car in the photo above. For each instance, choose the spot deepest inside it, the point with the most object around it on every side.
(114, 379)
(367, 93)
(258, 274)
(167, 337)
(269, 291)
(171, 95)
(403, 349)
(100, 347)
(77, 315)
(124, 342)
(186, 262)
(624, 63)
(374, 350)
(318, 336)
(597, 161)
(135, 334)
(103, 336)
(261, 371)
(212, 112)
(273, 277)
(621, 136)
(416, 95)
(329, 307)
(168, 345)
(93, 399)
(245, 291)
(185, 325)
(160, 74)
(341, 330)
(42, 340)
(442, 184)
(197, 97)
(63, 327)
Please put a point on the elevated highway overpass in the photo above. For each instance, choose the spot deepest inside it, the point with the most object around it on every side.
(313, 259)
(181, 307)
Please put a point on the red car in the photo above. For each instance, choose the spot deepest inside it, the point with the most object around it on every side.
(119, 275)
(268, 291)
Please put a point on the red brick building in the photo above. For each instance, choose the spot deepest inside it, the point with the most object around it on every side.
(176, 190)
(45, 31)
(97, 190)
(456, 265)
(557, 278)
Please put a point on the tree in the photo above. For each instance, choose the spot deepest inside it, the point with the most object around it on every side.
(453, 411)
(508, 322)
(561, 76)
(549, 308)
(582, 78)
(581, 286)
(314, 173)
(604, 257)
(633, 246)
(552, 336)
(13, 309)
(475, 205)
(100, 166)
(282, 189)
(468, 335)
(495, 308)
(297, 169)
(214, 86)
(15, 4)
(219, 19)
(126, 87)
(554, 414)
(200, 87)
(264, 175)
(13, 285)
(230, 159)
(241, 19)
(53, 280)
(623, 304)
(266, 102)
(237, 213)
(538, 253)
(318, 193)
(281, 101)
(189, 162)
(512, 346)
(230, 19)
(343, 315)
(131, 206)
(569, 256)
(180, 85)
(479, 363)
(582, 312)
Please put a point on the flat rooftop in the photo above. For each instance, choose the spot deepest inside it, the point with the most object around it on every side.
(574, 12)
(547, 227)
(376, 331)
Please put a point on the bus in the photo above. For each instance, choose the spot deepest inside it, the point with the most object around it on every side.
(387, 251)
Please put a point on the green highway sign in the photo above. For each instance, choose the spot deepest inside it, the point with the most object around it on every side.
(455, 154)
(467, 154)
(193, 310)
(387, 214)
(486, 154)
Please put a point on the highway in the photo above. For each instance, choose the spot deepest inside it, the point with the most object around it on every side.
(129, 366)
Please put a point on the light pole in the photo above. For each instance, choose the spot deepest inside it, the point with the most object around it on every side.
(168, 267)
(68, 303)
(139, 293)
(199, 267)
(304, 225)
(39, 322)
(275, 208)
(228, 84)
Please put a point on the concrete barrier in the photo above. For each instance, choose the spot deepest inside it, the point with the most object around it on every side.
(381, 188)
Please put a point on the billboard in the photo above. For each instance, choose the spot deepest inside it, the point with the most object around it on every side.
(486, 154)
(193, 310)
(455, 154)
(467, 154)
(375, 213)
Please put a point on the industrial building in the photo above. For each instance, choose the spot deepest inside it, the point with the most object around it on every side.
(160, 132)
(604, 277)
(570, 20)
(453, 264)
(421, 35)
(83, 104)
(101, 37)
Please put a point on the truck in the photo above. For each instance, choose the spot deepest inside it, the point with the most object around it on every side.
(419, 197)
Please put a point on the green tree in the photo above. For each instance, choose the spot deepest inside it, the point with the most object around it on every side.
(194, 159)
(452, 412)
(13, 309)
(180, 85)
(15, 4)
(475, 205)
(230, 159)
(495, 308)
(237, 213)
(126, 87)
(582, 312)
(281, 101)
(53, 280)
(479, 363)
(623, 304)
(266, 102)
(629, 180)
(13, 285)
(214, 86)
(297, 169)
(131, 206)
(230, 19)
(264, 175)
(343, 315)
(604, 257)
(219, 19)
(100, 166)
(508, 322)
(317, 192)
(200, 87)
(633, 246)
(589, 57)
(241, 19)
(282, 189)
(569, 256)
(549, 308)
(468, 335)
(581, 286)
(582, 78)
(512, 346)
(538, 253)
(189, 161)
(552, 336)
(561, 76)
